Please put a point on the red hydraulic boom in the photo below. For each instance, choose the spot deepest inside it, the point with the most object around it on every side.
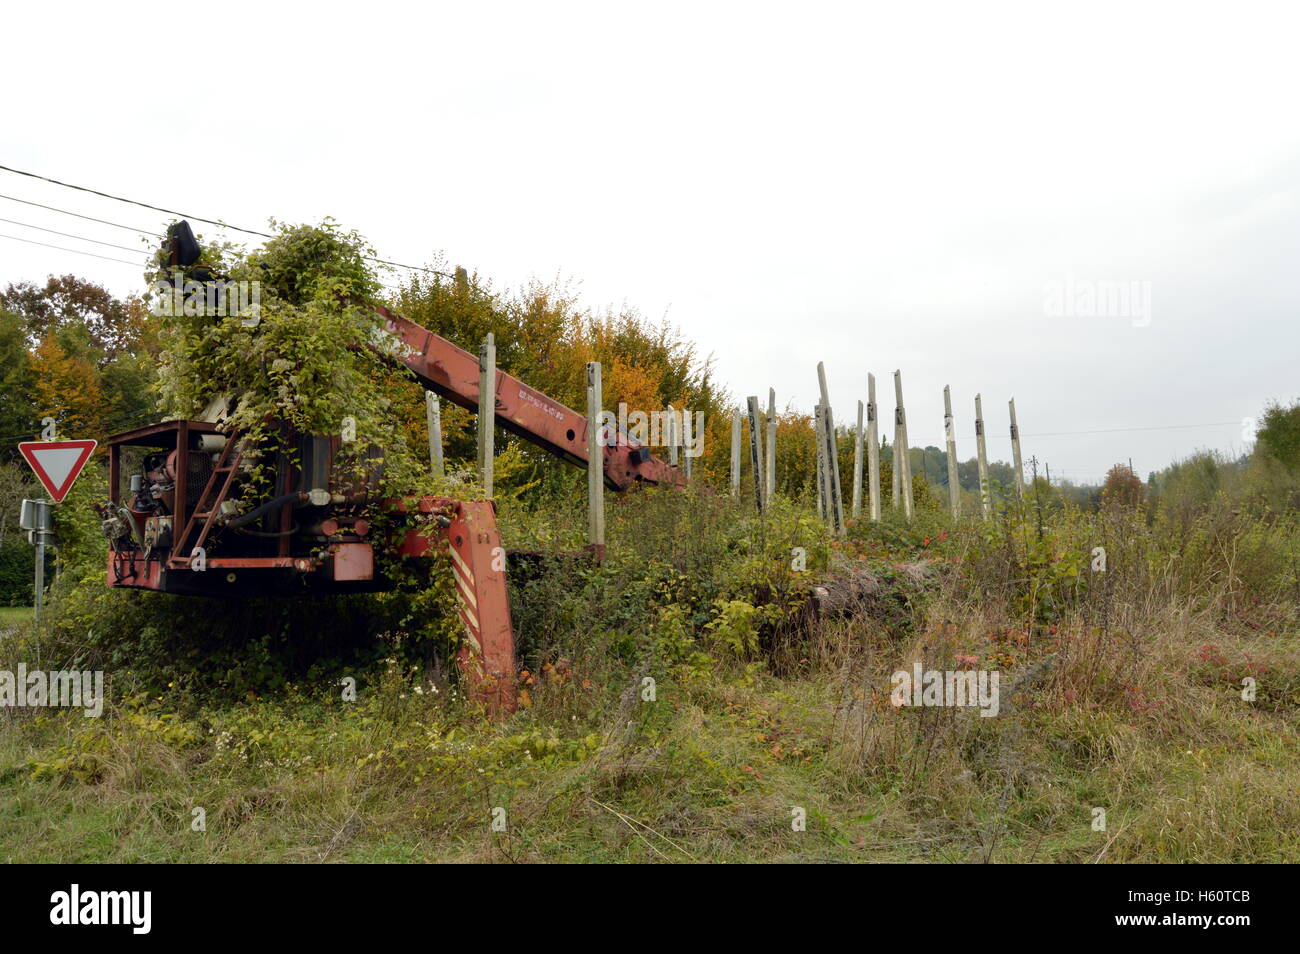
(173, 523)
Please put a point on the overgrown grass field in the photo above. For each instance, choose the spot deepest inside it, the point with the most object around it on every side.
(690, 701)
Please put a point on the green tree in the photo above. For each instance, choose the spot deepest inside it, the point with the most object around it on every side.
(17, 415)
(1279, 434)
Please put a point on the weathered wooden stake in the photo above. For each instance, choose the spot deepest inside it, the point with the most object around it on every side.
(1015, 452)
(903, 446)
(735, 453)
(950, 433)
(873, 451)
(756, 452)
(857, 466)
(433, 415)
(487, 410)
(986, 498)
(595, 461)
(770, 484)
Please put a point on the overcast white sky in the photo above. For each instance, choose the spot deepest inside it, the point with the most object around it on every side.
(878, 186)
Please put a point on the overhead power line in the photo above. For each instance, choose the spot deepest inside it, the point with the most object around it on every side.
(1120, 430)
(199, 218)
(88, 218)
(80, 238)
(967, 438)
(74, 251)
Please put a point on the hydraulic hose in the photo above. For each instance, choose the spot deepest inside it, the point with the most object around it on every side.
(244, 519)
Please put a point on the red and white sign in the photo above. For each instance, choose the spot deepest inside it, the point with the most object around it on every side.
(57, 464)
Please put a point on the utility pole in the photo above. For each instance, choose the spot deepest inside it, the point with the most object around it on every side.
(595, 462)
(950, 433)
(487, 410)
(901, 422)
(986, 501)
(873, 451)
(1015, 452)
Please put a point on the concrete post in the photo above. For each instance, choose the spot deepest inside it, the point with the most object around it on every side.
(770, 483)
(819, 432)
(873, 451)
(595, 461)
(756, 452)
(1015, 452)
(433, 415)
(673, 428)
(986, 499)
(857, 466)
(735, 453)
(836, 498)
(903, 445)
(686, 442)
(950, 433)
(487, 410)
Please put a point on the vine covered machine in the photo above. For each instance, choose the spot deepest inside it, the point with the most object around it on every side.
(173, 524)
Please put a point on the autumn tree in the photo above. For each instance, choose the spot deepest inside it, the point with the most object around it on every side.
(1123, 488)
(68, 388)
(113, 326)
(17, 415)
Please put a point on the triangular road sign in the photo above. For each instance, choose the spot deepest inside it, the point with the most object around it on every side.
(57, 464)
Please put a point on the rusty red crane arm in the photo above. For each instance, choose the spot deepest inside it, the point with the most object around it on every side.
(453, 373)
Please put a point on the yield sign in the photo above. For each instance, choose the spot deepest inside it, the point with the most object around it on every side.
(57, 463)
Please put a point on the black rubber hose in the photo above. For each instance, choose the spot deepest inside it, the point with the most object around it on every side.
(262, 511)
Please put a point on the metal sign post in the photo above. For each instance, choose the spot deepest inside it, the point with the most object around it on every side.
(37, 518)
